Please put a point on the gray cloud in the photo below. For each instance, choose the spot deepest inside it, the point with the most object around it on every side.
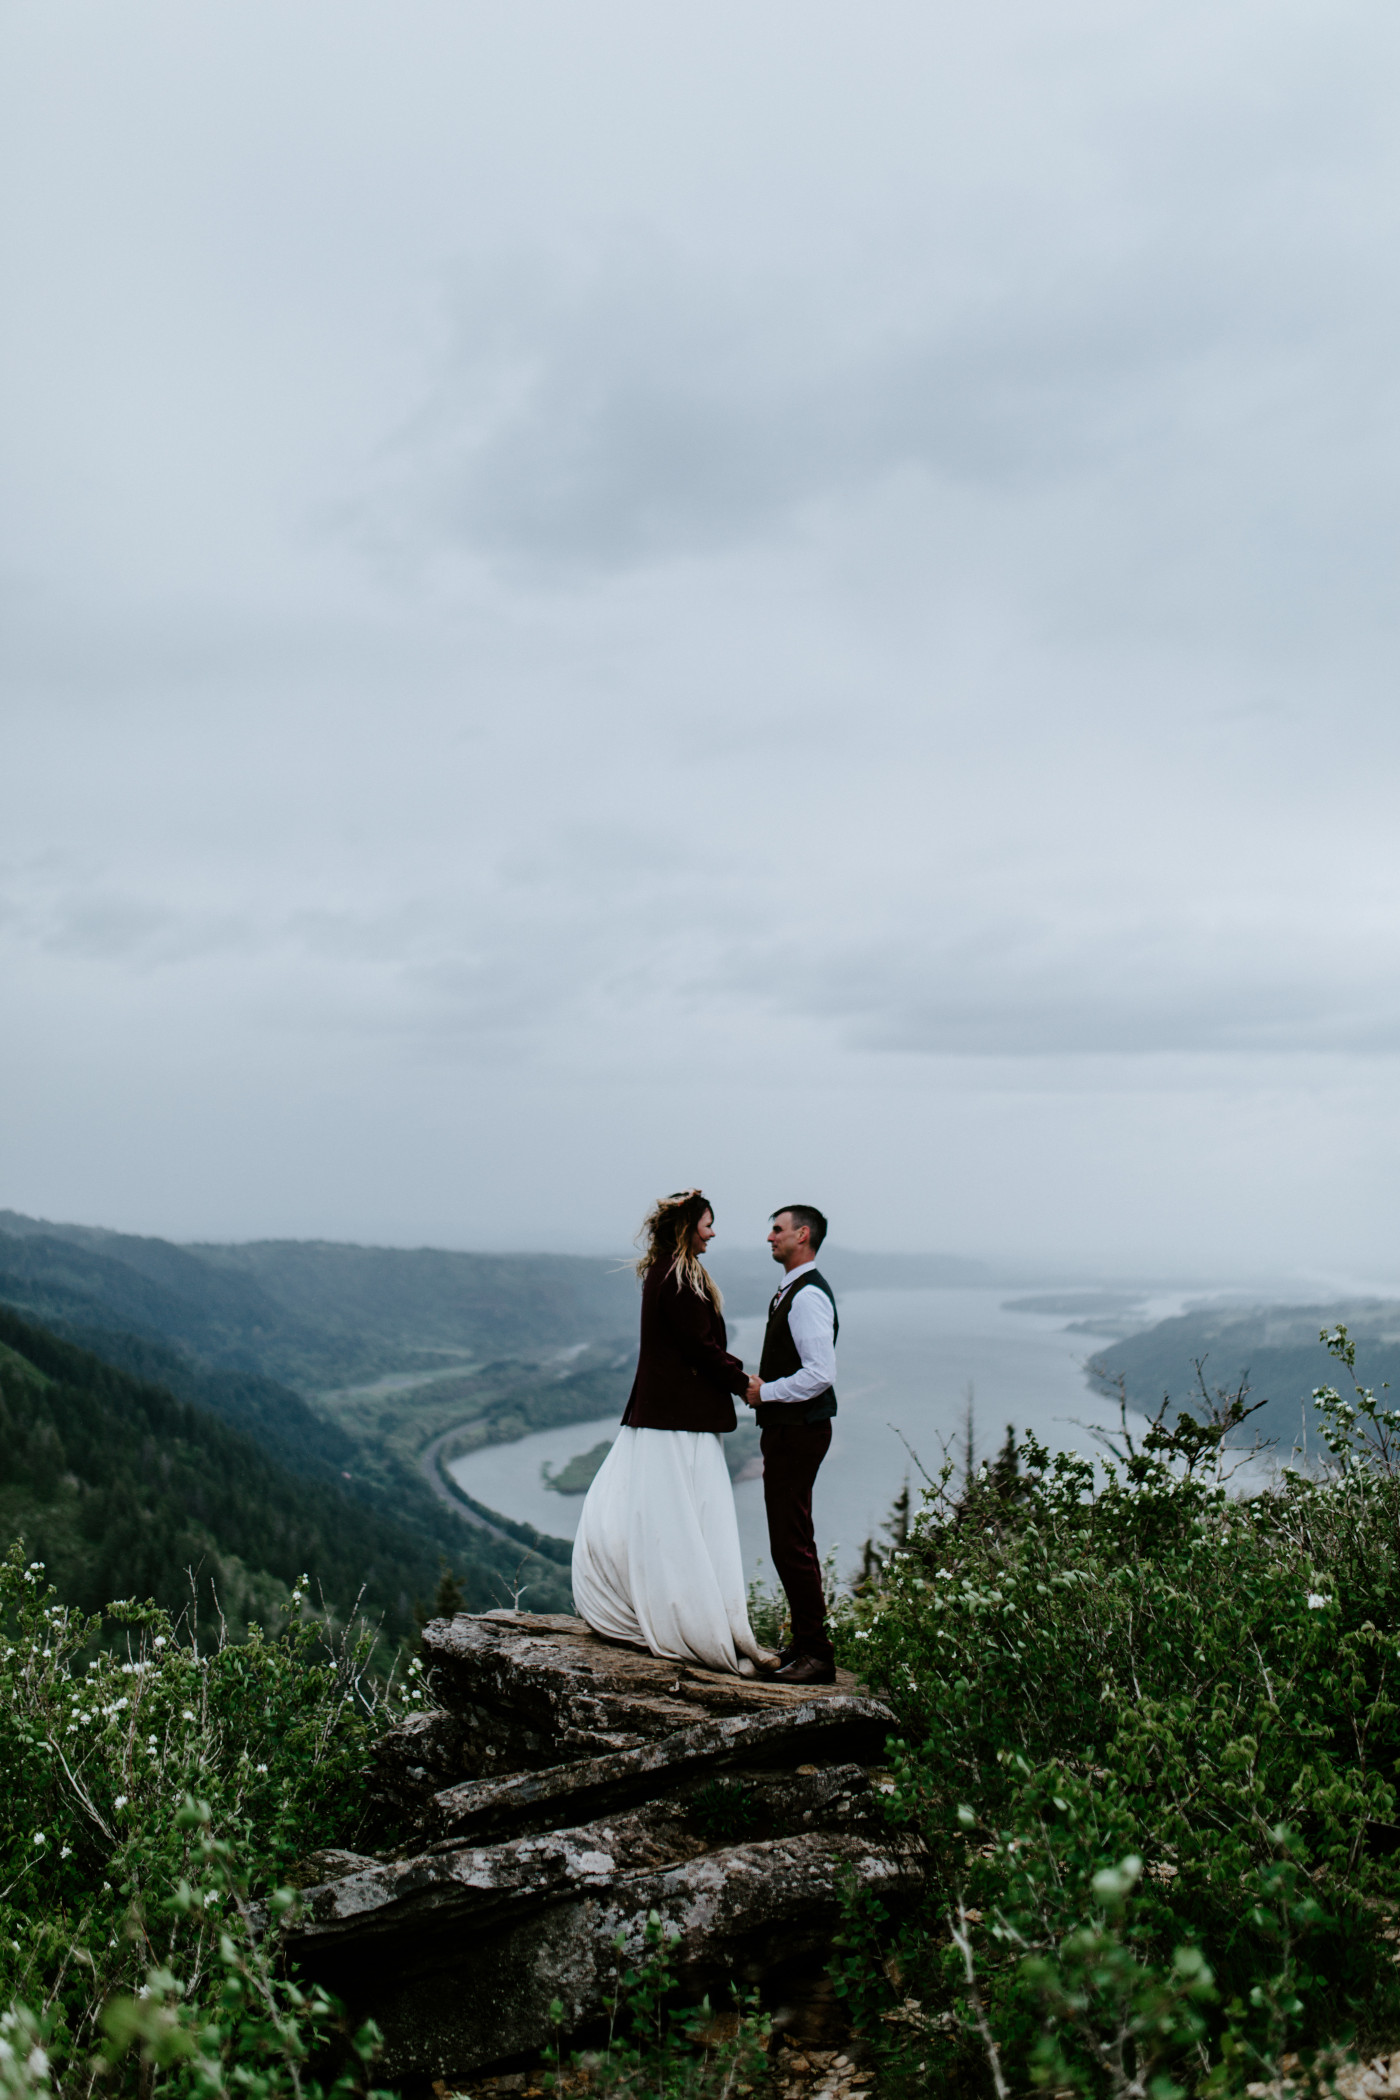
(659, 587)
(1129, 994)
(1157, 436)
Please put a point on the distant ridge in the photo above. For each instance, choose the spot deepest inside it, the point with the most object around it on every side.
(322, 1313)
(1275, 1347)
(314, 1313)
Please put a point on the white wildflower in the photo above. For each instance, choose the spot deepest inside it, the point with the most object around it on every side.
(260, 1768)
(39, 1838)
(66, 1853)
(1316, 1600)
(187, 1715)
(159, 1641)
(120, 1801)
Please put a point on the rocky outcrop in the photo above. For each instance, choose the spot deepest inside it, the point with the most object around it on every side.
(565, 1790)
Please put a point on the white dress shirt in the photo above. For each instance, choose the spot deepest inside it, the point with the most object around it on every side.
(811, 1323)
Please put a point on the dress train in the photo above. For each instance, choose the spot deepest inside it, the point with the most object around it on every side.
(657, 1559)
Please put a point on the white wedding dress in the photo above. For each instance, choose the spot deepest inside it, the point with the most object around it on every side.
(657, 1560)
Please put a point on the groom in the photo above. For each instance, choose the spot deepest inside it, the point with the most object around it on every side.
(793, 1399)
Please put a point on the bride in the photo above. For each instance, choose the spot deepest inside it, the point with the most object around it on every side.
(656, 1560)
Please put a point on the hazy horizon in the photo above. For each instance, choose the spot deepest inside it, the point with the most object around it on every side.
(1007, 1271)
(800, 599)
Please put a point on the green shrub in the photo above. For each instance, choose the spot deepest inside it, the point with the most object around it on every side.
(1150, 1740)
(150, 1800)
(236, 2026)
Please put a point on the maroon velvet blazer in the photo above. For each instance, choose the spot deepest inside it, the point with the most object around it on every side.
(685, 1378)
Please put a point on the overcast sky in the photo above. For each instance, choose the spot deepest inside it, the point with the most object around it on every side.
(800, 597)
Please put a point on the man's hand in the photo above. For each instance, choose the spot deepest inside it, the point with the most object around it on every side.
(755, 1391)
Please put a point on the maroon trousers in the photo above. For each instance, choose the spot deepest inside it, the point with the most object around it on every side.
(791, 1456)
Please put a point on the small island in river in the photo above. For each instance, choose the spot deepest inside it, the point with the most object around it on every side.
(576, 1478)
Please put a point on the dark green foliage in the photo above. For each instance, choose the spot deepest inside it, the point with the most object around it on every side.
(122, 1488)
(275, 1417)
(724, 1810)
(448, 1599)
(1150, 1735)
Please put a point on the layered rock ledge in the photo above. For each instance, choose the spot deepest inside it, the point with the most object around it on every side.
(565, 1789)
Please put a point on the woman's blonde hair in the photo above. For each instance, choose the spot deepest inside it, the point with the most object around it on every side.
(667, 1240)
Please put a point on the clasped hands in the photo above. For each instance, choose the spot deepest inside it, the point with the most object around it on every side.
(755, 1391)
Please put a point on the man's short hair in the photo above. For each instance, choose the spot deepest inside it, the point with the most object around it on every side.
(804, 1214)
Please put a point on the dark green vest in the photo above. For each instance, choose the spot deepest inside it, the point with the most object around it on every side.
(781, 1358)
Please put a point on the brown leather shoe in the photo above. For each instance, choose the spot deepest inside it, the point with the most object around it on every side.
(805, 1669)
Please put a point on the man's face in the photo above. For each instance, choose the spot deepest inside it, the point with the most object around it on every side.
(789, 1241)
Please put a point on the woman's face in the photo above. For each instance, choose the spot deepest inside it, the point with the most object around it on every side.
(704, 1232)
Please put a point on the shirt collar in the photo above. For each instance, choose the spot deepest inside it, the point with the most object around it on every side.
(793, 1274)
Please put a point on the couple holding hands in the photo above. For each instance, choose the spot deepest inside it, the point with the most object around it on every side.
(657, 1560)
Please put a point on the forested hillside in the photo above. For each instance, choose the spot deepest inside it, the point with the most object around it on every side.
(311, 1313)
(120, 1488)
(1274, 1348)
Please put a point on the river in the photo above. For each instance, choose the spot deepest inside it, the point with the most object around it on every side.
(906, 1358)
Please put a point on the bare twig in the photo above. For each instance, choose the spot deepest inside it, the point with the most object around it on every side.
(963, 1942)
(79, 1789)
(912, 1453)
